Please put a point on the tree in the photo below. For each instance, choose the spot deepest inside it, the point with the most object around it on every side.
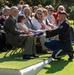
(56, 3)
(13, 2)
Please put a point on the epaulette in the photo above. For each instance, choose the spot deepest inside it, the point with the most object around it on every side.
(67, 22)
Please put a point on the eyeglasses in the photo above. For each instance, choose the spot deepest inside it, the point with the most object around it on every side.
(61, 9)
(39, 13)
(51, 10)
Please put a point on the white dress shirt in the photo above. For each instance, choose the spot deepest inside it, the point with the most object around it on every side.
(51, 19)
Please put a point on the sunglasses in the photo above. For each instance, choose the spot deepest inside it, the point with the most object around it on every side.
(39, 13)
(51, 10)
(60, 9)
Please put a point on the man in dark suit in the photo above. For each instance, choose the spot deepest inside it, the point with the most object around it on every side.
(14, 35)
(62, 46)
(27, 12)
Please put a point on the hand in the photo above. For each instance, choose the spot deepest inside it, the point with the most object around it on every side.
(52, 26)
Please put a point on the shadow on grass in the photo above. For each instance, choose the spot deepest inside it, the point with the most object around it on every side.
(56, 66)
(16, 57)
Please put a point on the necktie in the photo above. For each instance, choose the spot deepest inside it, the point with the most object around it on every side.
(15, 20)
(32, 27)
(15, 24)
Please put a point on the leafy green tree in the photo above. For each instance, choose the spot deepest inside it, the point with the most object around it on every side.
(13, 2)
(55, 3)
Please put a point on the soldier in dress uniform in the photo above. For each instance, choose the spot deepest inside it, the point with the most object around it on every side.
(62, 46)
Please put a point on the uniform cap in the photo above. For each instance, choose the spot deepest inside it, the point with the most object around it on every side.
(63, 12)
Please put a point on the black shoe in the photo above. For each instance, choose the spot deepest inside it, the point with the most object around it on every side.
(28, 57)
(36, 56)
(3, 49)
(58, 58)
(70, 56)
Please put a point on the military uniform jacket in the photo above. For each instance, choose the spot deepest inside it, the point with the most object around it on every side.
(64, 35)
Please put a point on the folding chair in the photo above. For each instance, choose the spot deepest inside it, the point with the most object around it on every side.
(14, 48)
(38, 45)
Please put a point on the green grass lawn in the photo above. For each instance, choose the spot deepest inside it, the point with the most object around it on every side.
(16, 61)
(61, 67)
(71, 22)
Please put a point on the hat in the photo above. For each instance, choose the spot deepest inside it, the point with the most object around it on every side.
(63, 12)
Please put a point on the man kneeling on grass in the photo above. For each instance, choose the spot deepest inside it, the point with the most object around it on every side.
(62, 46)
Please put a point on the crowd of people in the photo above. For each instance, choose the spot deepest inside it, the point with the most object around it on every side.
(26, 24)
